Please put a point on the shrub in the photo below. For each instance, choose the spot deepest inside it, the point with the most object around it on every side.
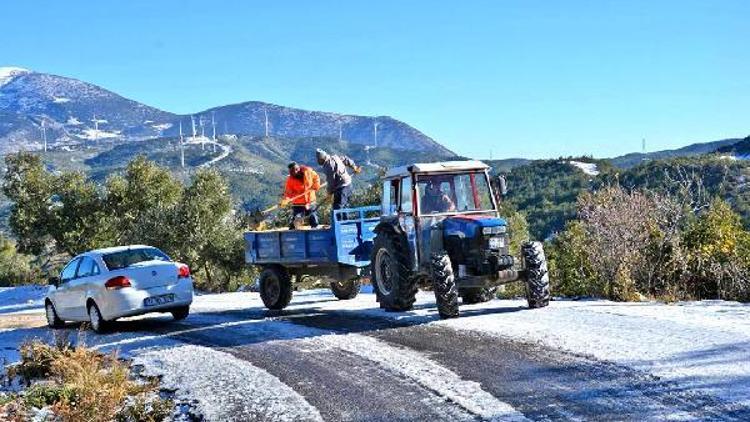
(81, 384)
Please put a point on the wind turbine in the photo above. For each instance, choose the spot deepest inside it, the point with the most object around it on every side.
(192, 122)
(182, 148)
(213, 126)
(203, 133)
(265, 114)
(44, 135)
(375, 128)
(96, 128)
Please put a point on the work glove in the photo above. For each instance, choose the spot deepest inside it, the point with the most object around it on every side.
(283, 202)
(358, 170)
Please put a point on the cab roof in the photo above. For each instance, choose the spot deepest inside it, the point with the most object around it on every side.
(439, 167)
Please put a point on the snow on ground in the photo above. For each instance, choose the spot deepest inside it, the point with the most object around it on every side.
(421, 370)
(10, 72)
(13, 299)
(94, 134)
(588, 168)
(222, 383)
(704, 346)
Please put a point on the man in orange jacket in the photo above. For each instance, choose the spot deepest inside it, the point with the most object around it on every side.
(300, 189)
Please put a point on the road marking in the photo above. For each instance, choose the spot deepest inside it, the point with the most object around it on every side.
(415, 366)
(226, 388)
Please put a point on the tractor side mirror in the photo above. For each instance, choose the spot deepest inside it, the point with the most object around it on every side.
(53, 281)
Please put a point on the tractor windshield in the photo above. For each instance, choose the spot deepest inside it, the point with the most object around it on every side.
(453, 193)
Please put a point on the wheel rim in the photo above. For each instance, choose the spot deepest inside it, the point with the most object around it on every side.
(94, 318)
(272, 289)
(384, 272)
(50, 314)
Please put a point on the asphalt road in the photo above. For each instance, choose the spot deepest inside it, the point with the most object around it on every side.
(350, 365)
(347, 383)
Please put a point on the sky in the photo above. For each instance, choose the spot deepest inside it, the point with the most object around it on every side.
(533, 79)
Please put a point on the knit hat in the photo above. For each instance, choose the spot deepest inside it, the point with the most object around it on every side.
(321, 155)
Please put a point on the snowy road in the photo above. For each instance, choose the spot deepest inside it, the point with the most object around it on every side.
(323, 359)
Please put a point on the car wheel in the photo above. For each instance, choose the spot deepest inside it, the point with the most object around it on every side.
(181, 313)
(98, 324)
(53, 321)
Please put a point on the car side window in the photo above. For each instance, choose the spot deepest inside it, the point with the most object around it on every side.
(87, 268)
(69, 272)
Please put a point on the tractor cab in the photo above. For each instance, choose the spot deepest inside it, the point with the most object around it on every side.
(440, 218)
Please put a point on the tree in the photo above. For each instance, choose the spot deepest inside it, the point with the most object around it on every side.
(78, 219)
(30, 187)
(141, 202)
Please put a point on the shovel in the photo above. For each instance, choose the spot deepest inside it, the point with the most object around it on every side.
(257, 218)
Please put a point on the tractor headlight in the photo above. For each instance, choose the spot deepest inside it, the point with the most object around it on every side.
(497, 243)
(493, 230)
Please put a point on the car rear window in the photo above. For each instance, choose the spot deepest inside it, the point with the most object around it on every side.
(126, 258)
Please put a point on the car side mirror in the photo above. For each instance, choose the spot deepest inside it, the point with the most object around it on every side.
(53, 281)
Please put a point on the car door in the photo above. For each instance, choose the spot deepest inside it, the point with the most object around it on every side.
(77, 288)
(62, 296)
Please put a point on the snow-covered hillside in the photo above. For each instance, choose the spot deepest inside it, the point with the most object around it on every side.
(69, 109)
(588, 168)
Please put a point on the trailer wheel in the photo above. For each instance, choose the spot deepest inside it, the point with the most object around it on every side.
(444, 284)
(275, 287)
(537, 277)
(347, 289)
(392, 280)
(471, 295)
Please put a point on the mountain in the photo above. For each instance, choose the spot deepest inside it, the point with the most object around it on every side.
(75, 112)
(739, 150)
(633, 159)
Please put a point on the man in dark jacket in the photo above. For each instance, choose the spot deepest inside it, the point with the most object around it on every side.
(339, 180)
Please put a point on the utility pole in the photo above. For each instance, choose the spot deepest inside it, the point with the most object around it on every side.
(182, 148)
(44, 135)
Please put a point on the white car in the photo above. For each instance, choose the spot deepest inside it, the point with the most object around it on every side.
(105, 284)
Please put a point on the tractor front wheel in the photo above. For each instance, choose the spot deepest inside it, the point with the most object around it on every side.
(537, 277)
(444, 284)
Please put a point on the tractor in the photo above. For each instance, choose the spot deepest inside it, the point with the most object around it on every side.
(440, 227)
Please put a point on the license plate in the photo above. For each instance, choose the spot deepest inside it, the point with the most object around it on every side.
(497, 243)
(158, 300)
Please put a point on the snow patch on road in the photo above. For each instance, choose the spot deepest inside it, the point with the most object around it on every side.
(225, 387)
(13, 299)
(428, 374)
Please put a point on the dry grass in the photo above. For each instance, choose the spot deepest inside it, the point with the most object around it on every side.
(81, 384)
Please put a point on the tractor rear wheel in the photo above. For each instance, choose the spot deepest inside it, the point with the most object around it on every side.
(537, 277)
(444, 284)
(471, 295)
(347, 289)
(275, 287)
(393, 281)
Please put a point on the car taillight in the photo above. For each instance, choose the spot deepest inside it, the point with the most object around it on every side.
(117, 282)
(183, 271)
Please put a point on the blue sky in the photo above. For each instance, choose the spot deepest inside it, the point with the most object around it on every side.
(508, 78)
